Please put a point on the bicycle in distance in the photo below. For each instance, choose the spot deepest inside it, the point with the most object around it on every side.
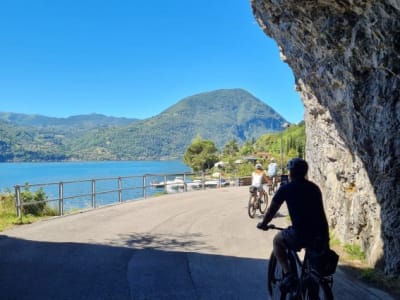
(314, 275)
(272, 185)
(258, 200)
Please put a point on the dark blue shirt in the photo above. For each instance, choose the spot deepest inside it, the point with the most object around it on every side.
(304, 202)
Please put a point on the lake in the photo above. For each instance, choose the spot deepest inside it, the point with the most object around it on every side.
(78, 178)
(12, 174)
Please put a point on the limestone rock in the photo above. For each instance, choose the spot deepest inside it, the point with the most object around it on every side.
(345, 55)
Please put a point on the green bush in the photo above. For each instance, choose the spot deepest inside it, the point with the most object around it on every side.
(34, 202)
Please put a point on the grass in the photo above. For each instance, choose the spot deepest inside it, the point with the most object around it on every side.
(353, 262)
(333, 241)
(159, 194)
(354, 252)
(8, 214)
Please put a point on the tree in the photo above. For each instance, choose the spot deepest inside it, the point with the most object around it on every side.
(231, 148)
(201, 154)
(247, 148)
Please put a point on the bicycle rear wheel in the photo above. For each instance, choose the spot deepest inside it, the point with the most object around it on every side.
(252, 206)
(274, 187)
(271, 189)
(263, 203)
(317, 291)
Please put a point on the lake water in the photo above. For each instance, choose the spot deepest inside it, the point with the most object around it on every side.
(12, 174)
(77, 180)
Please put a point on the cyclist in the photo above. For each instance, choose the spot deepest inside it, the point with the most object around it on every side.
(309, 224)
(258, 177)
(273, 170)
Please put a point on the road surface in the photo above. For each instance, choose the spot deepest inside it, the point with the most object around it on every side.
(195, 245)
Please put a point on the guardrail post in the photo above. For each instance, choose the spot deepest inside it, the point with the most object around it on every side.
(61, 198)
(119, 189)
(144, 186)
(18, 201)
(93, 193)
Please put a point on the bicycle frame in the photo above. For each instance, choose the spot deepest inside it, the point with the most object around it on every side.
(310, 284)
(308, 277)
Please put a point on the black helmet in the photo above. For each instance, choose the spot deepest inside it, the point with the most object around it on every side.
(298, 167)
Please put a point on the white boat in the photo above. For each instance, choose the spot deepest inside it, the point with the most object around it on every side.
(194, 185)
(216, 183)
(177, 183)
(156, 184)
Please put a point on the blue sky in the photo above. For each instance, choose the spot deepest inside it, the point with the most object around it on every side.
(131, 58)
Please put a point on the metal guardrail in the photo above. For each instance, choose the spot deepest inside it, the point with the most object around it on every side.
(93, 192)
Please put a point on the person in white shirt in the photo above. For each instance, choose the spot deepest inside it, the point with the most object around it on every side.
(258, 177)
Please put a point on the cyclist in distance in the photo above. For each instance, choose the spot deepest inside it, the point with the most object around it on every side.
(258, 177)
(309, 224)
(273, 170)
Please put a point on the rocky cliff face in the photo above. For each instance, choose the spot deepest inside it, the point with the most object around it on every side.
(345, 55)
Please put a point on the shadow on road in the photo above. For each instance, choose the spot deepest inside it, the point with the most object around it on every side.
(141, 267)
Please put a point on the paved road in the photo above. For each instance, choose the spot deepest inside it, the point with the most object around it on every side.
(198, 245)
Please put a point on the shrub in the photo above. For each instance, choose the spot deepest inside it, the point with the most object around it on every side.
(34, 202)
(354, 251)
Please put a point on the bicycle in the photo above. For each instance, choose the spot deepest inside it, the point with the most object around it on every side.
(310, 283)
(258, 200)
(272, 185)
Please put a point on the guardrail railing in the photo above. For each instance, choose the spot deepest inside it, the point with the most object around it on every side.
(77, 195)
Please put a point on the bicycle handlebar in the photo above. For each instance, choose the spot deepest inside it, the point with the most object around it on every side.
(270, 226)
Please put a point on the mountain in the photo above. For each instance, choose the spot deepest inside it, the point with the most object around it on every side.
(39, 138)
(220, 116)
(83, 122)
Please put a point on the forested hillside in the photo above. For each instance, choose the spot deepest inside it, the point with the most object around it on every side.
(80, 122)
(40, 138)
(221, 116)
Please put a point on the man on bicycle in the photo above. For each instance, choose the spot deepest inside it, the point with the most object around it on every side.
(309, 224)
(273, 170)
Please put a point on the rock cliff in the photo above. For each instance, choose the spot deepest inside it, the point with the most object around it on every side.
(345, 56)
